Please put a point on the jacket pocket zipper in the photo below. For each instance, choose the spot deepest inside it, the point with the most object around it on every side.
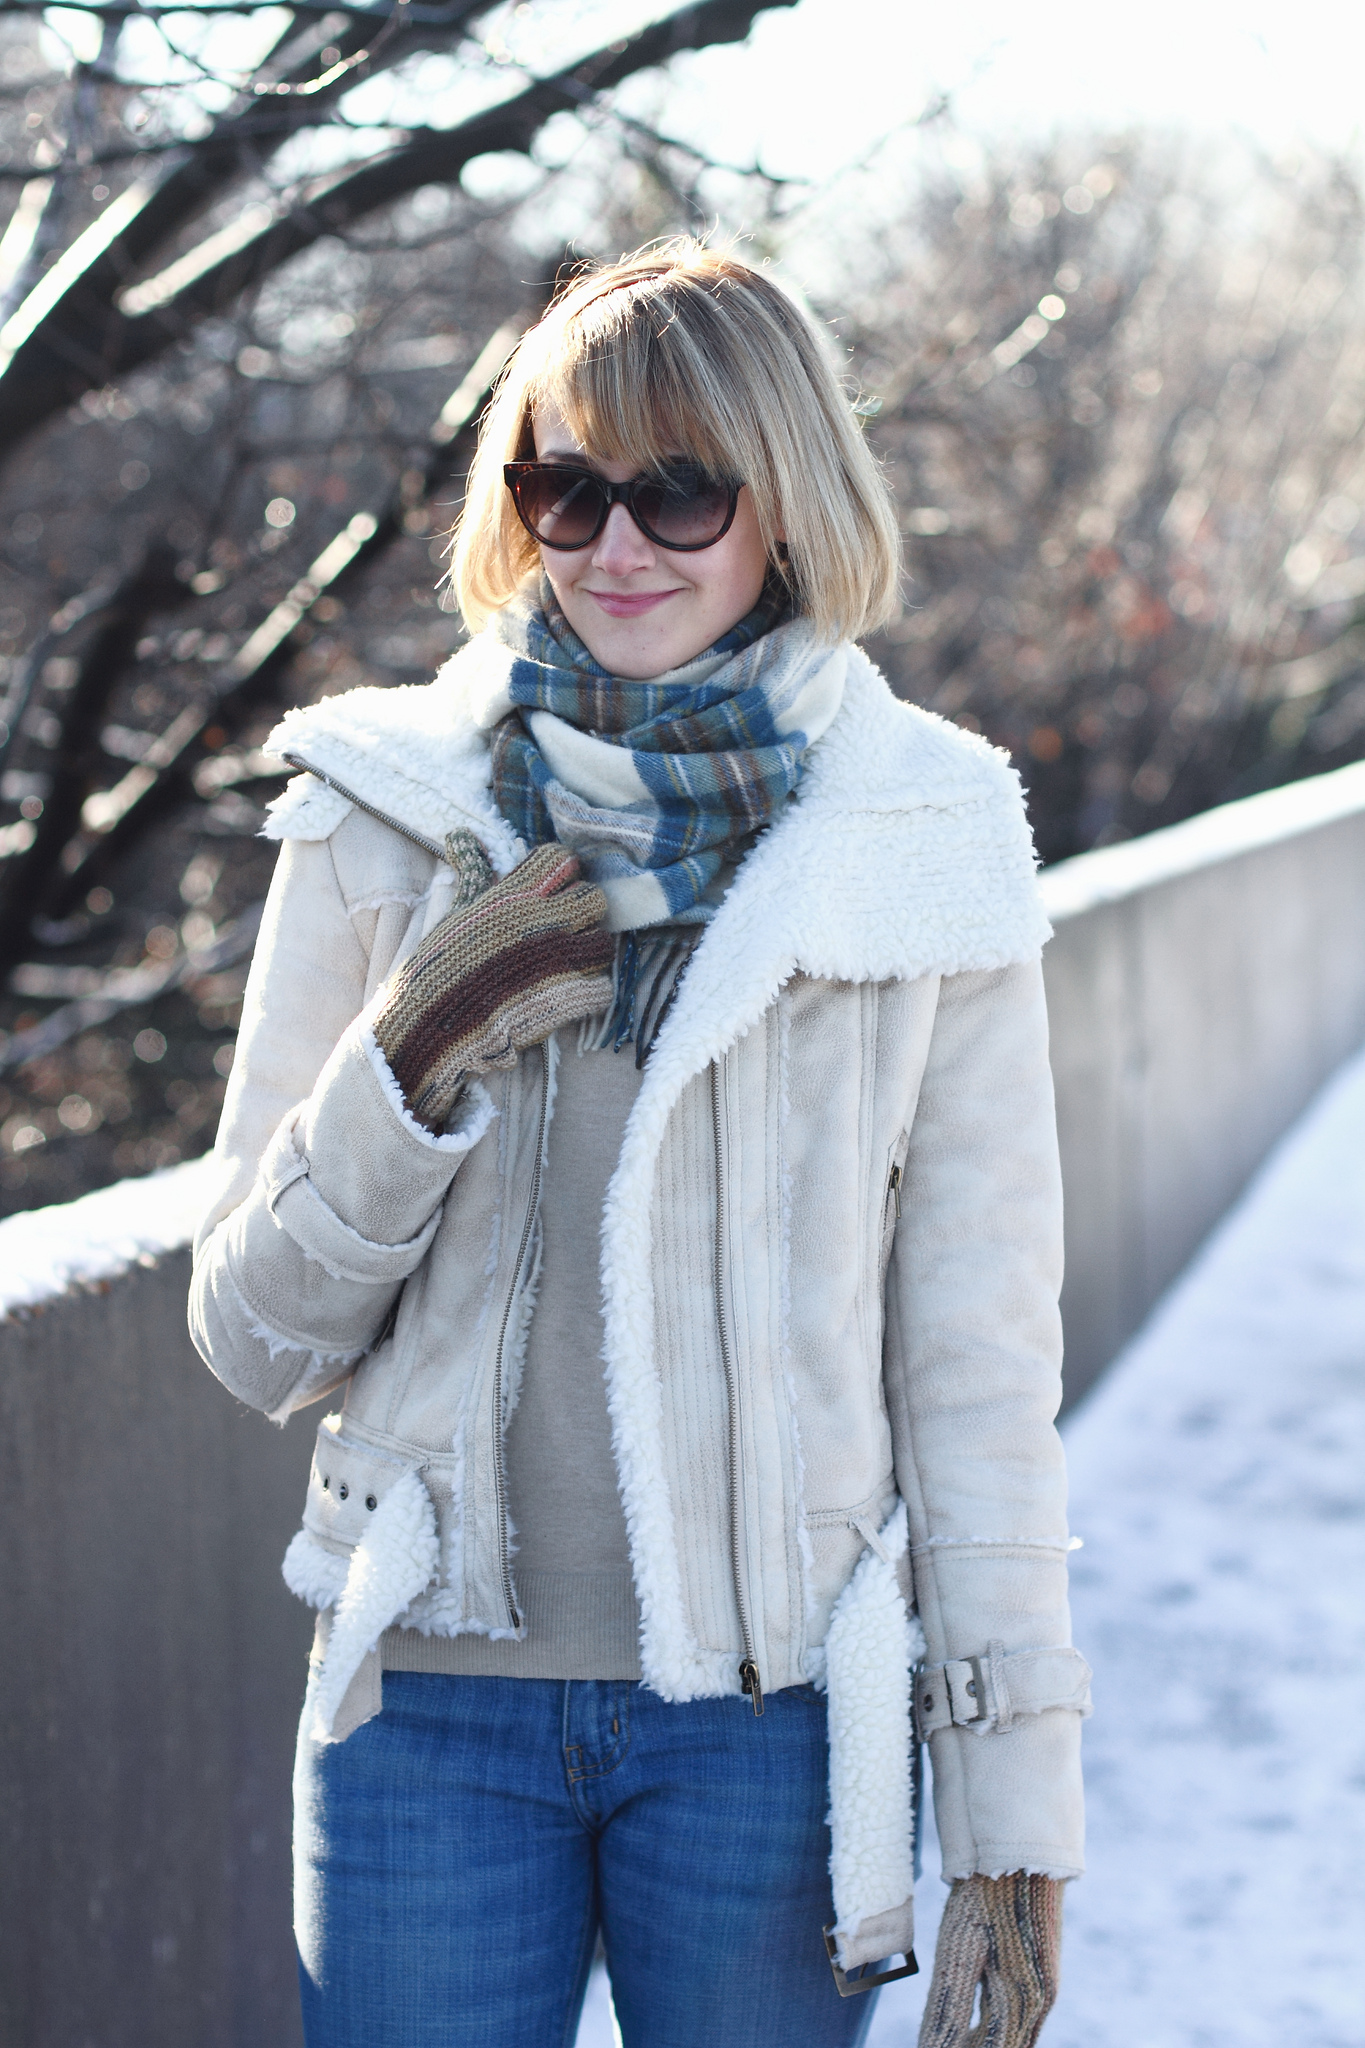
(750, 1683)
(891, 1216)
(499, 1469)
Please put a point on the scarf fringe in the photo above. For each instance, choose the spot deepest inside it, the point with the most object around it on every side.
(646, 976)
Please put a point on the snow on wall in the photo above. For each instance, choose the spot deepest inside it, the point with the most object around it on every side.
(1108, 874)
(44, 1252)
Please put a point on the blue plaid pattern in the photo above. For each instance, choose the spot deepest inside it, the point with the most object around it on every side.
(709, 754)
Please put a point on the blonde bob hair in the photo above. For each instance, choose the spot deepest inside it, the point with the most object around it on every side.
(682, 349)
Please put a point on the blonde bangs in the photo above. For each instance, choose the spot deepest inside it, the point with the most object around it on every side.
(686, 351)
(619, 394)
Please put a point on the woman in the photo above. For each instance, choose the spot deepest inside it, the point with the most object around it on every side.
(642, 1110)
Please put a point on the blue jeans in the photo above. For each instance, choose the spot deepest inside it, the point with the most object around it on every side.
(456, 1857)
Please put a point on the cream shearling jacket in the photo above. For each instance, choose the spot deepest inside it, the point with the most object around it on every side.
(830, 1265)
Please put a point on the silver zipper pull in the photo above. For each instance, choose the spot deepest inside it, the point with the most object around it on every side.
(894, 1185)
(751, 1685)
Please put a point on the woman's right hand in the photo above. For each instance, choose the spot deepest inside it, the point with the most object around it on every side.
(499, 973)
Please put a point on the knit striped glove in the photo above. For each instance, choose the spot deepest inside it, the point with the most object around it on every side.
(1004, 1933)
(511, 963)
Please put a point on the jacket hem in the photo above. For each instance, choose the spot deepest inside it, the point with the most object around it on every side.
(876, 1936)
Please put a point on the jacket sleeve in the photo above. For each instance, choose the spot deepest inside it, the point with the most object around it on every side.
(330, 1192)
(973, 1377)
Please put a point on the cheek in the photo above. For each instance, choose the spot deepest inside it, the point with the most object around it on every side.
(562, 568)
(739, 565)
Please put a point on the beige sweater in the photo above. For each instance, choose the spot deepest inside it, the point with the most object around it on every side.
(572, 1554)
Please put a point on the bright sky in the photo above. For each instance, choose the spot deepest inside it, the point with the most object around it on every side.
(818, 84)
(821, 84)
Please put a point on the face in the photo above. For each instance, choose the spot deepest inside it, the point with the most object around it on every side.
(641, 609)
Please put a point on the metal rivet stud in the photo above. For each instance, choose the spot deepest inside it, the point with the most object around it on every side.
(371, 1503)
(344, 1490)
(928, 1702)
(971, 1688)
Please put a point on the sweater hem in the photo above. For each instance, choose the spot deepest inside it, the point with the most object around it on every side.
(578, 1625)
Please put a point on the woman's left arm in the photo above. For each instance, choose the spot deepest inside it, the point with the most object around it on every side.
(973, 1379)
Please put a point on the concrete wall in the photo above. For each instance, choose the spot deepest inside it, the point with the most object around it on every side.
(1203, 982)
(150, 1681)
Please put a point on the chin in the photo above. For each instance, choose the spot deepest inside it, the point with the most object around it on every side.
(629, 655)
(632, 667)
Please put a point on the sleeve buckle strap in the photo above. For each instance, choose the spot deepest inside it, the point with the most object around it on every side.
(990, 1691)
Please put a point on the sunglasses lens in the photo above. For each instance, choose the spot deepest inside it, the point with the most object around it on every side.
(565, 508)
(562, 507)
(685, 509)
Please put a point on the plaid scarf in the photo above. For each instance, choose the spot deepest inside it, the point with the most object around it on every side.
(660, 787)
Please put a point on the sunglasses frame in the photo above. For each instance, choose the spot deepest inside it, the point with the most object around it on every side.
(612, 494)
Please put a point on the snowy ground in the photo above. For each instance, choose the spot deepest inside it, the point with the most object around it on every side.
(1218, 1481)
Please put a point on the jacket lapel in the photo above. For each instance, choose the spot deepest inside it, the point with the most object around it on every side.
(905, 853)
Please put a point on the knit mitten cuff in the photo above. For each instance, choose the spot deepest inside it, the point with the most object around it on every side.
(1005, 1934)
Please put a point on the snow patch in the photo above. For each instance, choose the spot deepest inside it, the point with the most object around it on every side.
(46, 1252)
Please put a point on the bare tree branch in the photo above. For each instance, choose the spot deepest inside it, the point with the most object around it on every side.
(122, 988)
(84, 339)
(57, 870)
(51, 352)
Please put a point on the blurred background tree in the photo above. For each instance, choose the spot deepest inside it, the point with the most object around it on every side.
(259, 272)
(1122, 406)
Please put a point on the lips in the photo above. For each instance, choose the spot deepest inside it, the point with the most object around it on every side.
(620, 605)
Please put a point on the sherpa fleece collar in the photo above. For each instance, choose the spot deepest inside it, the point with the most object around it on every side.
(905, 851)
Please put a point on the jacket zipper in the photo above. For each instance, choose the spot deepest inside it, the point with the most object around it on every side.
(321, 775)
(893, 1188)
(499, 1476)
(749, 1680)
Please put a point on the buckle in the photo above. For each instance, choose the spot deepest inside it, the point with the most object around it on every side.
(971, 1699)
(850, 1983)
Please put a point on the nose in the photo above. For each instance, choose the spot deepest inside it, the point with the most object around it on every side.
(621, 547)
